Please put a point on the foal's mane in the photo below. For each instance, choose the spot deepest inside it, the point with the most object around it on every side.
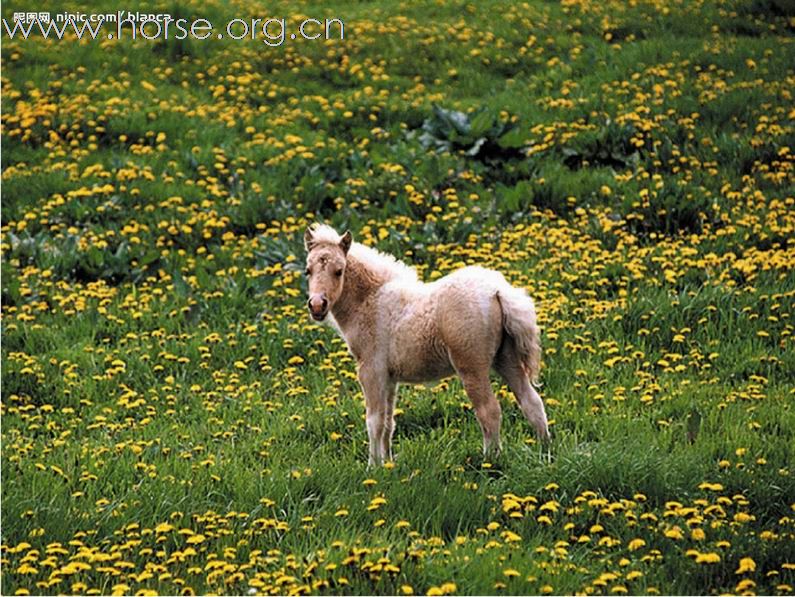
(379, 265)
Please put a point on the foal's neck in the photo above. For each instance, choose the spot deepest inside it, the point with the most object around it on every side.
(361, 282)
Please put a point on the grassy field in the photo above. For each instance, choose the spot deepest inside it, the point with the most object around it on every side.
(172, 420)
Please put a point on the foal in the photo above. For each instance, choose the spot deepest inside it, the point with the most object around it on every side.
(400, 329)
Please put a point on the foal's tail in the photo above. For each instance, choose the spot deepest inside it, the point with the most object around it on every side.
(519, 321)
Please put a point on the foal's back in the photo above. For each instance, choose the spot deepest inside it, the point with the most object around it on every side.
(425, 324)
(469, 316)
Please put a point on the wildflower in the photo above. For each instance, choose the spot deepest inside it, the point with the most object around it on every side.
(26, 569)
(746, 565)
(376, 503)
(636, 544)
(551, 506)
(445, 589)
(510, 537)
(674, 533)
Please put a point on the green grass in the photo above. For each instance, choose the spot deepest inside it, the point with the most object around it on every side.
(173, 422)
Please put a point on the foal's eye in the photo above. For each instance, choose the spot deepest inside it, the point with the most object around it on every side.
(338, 273)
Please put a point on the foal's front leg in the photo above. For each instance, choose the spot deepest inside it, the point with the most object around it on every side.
(376, 400)
(389, 422)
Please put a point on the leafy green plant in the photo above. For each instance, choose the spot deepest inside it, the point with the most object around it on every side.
(608, 146)
(481, 136)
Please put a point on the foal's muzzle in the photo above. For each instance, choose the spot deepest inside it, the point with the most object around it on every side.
(318, 306)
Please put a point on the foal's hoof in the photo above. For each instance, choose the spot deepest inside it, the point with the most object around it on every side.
(492, 454)
(543, 435)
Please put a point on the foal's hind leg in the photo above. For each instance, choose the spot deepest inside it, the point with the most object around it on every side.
(477, 385)
(510, 368)
(487, 409)
(471, 346)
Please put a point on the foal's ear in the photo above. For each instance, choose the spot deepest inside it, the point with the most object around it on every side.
(345, 241)
(309, 239)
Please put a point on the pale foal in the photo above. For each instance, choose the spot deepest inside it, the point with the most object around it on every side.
(400, 329)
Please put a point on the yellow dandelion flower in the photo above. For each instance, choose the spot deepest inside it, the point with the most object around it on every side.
(448, 588)
(511, 537)
(707, 558)
(674, 533)
(636, 544)
(746, 565)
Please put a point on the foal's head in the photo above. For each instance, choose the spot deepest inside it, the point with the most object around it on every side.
(325, 268)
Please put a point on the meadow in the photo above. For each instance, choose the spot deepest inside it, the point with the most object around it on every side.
(173, 422)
